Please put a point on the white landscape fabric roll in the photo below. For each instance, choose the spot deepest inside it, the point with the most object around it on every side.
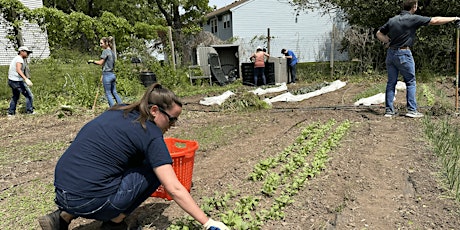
(280, 88)
(380, 97)
(217, 100)
(289, 97)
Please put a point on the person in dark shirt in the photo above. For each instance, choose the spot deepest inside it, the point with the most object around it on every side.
(398, 34)
(292, 64)
(117, 161)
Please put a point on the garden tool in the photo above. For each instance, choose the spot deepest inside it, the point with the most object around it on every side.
(97, 93)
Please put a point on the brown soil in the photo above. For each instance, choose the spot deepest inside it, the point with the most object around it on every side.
(382, 176)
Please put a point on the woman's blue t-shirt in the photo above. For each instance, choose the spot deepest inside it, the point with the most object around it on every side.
(104, 149)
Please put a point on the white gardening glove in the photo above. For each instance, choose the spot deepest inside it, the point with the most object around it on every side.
(215, 225)
(28, 82)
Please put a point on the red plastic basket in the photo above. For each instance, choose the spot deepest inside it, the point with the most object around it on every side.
(183, 156)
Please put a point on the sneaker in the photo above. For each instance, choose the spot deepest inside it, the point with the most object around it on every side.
(109, 225)
(10, 116)
(390, 114)
(414, 114)
(53, 221)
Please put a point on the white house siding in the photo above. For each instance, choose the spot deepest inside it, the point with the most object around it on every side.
(309, 37)
(33, 37)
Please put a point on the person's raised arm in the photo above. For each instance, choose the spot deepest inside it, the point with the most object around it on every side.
(182, 197)
(100, 62)
(442, 20)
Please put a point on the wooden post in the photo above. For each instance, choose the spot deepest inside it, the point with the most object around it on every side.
(268, 40)
(456, 70)
(171, 42)
(332, 50)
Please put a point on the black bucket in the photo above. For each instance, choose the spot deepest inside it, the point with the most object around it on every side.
(147, 78)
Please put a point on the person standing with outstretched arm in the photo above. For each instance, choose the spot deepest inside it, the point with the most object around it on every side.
(398, 35)
(107, 62)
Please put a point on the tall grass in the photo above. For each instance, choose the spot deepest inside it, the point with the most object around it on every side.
(71, 82)
(445, 138)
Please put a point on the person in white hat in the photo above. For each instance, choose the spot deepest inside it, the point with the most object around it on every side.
(19, 82)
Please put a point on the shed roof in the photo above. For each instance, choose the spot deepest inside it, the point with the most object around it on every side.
(225, 8)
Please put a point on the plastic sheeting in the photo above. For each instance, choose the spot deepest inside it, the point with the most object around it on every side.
(380, 97)
(281, 87)
(289, 97)
(217, 100)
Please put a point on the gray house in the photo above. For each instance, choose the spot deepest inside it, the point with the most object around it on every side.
(33, 37)
(248, 23)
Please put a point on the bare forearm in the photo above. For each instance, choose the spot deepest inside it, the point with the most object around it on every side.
(442, 20)
(186, 202)
(19, 70)
(382, 37)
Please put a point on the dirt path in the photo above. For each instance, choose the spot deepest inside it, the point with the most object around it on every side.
(382, 176)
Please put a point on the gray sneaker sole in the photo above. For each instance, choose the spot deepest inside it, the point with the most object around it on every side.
(414, 115)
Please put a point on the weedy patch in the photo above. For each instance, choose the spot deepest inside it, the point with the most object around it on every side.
(310, 88)
(244, 102)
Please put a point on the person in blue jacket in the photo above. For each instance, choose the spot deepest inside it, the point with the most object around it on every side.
(117, 161)
(292, 64)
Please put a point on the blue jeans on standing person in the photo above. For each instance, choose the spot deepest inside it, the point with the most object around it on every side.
(110, 87)
(257, 72)
(18, 88)
(400, 61)
(136, 186)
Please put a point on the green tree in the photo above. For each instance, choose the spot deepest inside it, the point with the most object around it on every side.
(14, 12)
(132, 10)
(184, 17)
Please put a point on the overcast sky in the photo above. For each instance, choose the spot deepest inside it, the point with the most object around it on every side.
(220, 3)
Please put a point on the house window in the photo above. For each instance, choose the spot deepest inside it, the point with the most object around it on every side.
(227, 21)
(214, 25)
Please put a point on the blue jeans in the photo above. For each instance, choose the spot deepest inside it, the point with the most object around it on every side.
(400, 61)
(18, 88)
(136, 186)
(259, 71)
(110, 87)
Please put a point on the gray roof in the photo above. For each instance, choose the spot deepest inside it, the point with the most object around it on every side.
(225, 8)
